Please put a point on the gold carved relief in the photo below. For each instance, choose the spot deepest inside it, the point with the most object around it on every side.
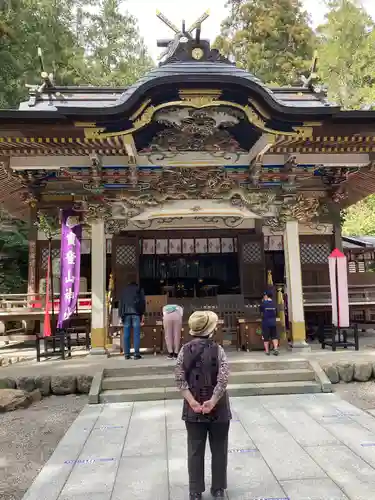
(198, 99)
(140, 110)
(304, 209)
(145, 118)
(191, 183)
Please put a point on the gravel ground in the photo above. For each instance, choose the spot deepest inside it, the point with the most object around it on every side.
(358, 394)
(29, 437)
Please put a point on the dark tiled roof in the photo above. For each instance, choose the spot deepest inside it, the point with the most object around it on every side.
(90, 98)
(359, 241)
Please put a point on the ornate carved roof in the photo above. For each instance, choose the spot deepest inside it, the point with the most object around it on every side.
(188, 60)
(195, 109)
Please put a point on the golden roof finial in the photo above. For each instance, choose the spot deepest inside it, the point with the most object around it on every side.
(179, 34)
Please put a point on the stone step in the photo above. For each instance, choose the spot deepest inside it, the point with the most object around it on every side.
(138, 368)
(245, 377)
(161, 393)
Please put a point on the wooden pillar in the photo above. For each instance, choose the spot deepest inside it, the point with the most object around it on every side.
(32, 286)
(281, 312)
(98, 288)
(335, 220)
(337, 232)
(295, 290)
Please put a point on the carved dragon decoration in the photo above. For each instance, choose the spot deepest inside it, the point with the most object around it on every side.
(190, 129)
(213, 184)
(184, 184)
(306, 210)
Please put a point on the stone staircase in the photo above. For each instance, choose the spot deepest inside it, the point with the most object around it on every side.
(248, 378)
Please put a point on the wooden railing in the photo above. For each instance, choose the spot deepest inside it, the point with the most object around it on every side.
(11, 304)
(32, 303)
(321, 295)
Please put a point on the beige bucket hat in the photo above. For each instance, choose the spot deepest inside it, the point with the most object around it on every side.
(202, 323)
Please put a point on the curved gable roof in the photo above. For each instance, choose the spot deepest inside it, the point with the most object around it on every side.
(283, 101)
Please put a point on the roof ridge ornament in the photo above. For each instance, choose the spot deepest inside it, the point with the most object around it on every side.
(313, 76)
(47, 85)
(311, 82)
(182, 35)
(187, 46)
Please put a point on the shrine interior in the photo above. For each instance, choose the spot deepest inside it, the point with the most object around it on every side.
(197, 275)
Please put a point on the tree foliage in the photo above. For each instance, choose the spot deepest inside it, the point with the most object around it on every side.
(13, 254)
(359, 219)
(91, 42)
(116, 54)
(346, 63)
(273, 40)
(83, 42)
(270, 38)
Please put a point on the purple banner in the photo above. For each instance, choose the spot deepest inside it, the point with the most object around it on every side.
(71, 234)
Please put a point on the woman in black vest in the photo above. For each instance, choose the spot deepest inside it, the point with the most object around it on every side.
(202, 376)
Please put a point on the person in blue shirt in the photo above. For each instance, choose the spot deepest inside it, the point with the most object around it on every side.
(269, 330)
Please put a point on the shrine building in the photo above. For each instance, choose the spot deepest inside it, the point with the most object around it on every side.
(195, 181)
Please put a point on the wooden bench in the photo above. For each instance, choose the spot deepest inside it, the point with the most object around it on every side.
(58, 344)
(335, 337)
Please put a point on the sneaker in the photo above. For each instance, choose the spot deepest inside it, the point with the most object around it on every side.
(127, 356)
(218, 493)
(137, 356)
(195, 496)
(267, 353)
(275, 352)
(170, 356)
(175, 355)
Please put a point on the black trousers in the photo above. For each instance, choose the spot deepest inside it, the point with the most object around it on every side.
(196, 440)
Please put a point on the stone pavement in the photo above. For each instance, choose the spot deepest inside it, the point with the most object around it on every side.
(304, 447)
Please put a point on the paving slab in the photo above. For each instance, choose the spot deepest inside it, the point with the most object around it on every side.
(147, 430)
(249, 478)
(293, 447)
(142, 478)
(273, 440)
(313, 489)
(303, 428)
(347, 470)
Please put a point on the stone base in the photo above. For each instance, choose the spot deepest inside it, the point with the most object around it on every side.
(300, 347)
(113, 350)
(98, 351)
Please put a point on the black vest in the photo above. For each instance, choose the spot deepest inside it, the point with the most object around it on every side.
(201, 367)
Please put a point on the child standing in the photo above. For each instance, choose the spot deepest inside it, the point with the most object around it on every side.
(269, 330)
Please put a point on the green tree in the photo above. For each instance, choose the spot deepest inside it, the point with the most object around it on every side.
(83, 42)
(79, 47)
(116, 54)
(270, 38)
(346, 61)
(38, 23)
(13, 254)
(359, 219)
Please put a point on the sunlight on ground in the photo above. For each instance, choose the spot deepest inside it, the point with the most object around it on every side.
(152, 413)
